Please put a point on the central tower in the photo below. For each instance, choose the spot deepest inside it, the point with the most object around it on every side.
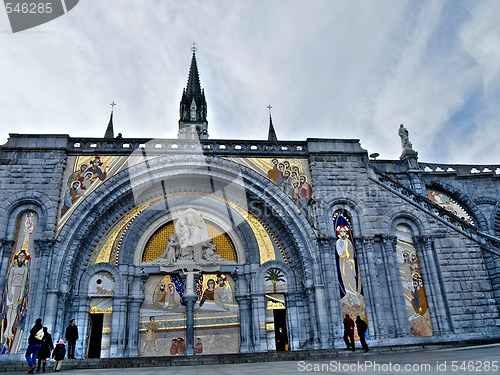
(193, 108)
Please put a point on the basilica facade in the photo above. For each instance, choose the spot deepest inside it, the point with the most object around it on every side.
(193, 246)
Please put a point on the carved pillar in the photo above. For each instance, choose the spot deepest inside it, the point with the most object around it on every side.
(132, 340)
(259, 322)
(332, 293)
(371, 286)
(296, 326)
(398, 303)
(244, 303)
(82, 322)
(43, 249)
(118, 327)
(189, 301)
(323, 326)
(432, 283)
(313, 316)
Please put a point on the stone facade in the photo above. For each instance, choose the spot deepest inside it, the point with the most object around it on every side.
(138, 188)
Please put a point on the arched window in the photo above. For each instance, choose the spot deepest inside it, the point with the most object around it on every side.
(412, 282)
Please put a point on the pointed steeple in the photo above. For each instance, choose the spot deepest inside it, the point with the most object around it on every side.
(193, 106)
(109, 130)
(271, 137)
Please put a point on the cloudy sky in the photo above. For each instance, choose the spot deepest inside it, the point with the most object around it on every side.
(330, 69)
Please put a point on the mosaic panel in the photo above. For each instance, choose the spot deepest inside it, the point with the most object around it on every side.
(14, 305)
(450, 205)
(217, 318)
(412, 283)
(351, 289)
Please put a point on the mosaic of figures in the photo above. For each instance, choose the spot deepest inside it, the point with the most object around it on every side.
(412, 282)
(15, 294)
(292, 176)
(162, 327)
(449, 204)
(351, 290)
(83, 175)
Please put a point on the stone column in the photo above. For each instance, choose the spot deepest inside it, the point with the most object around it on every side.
(259, 322)
(132, 337)
(322, 315)
(432, 284)
(371, 285)
(313, 316)
(398, 303)
(331, 289)
(82, 322)
(244, 304)
(118, 327)
(43, 249)
(295, 324)
(189, 301)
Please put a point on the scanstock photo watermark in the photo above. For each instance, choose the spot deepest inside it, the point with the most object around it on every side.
(26, 14)
(358, 367)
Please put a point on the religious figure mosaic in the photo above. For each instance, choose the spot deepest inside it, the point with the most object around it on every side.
(217, 318)
(15, 294)
(162, 316)
(450, 205)
(412, 282)
(351, 289)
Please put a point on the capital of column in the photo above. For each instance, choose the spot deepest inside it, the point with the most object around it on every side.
(45, 246)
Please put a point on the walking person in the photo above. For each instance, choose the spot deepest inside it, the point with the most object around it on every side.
(34, 343)
(58, 354)
(71, 337)
(349, 332)
(45, 349)
(362, 327)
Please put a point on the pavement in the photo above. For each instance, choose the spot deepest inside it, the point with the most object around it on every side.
(483, 359)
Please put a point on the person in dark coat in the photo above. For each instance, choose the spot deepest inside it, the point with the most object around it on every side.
(71, 337)
(58, 354)
(349, 332)
(34, 343)
(45, 349)
(362, 327)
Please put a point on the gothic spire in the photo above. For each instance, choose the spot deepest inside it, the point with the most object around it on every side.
(193, 106)
(109, 130)
(271, 137)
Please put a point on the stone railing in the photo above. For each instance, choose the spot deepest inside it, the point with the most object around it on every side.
(461, 170)
(209, 147)
(434, 209)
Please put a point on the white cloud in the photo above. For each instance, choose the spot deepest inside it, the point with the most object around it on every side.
(329, 68)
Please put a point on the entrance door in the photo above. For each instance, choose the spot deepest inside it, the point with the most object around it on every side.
(95, 338)
(280, 332)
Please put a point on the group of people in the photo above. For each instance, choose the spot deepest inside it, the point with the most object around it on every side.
(362, 327)
(40, 346)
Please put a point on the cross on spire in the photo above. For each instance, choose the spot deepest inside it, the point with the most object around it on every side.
(193, 48)
(269, 107)
(112, 106)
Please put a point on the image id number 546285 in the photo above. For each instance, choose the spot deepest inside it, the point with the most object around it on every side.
(31, 8)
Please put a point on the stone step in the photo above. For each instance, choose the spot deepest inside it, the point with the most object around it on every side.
(99, 363)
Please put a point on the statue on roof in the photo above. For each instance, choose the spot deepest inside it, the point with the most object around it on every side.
(405, 138)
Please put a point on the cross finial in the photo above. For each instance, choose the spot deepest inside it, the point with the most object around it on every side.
(269, 107)
(193, 48)
(112, 106)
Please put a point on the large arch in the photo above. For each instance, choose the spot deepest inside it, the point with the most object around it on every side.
(178, 176)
